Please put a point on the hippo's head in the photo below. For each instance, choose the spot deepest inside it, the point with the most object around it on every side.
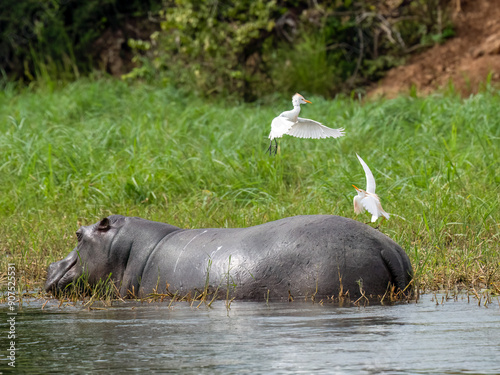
(116, 245)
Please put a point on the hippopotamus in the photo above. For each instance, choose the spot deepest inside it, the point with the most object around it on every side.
(312, 255)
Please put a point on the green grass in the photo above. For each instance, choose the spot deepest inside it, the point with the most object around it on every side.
(74, 154)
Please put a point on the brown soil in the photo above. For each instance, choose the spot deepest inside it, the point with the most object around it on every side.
(465, 60)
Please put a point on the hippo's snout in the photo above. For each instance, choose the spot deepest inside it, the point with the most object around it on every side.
(60, 274)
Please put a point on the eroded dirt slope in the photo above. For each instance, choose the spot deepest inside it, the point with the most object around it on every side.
(465, 60)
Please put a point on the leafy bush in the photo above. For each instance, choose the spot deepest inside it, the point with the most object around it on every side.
(249, 47)
(209, 46)
(244, 48)
(55, 38)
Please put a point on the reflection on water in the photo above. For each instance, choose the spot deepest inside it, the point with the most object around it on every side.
(456, 337)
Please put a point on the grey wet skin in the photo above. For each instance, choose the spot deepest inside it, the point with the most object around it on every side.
(300, 255)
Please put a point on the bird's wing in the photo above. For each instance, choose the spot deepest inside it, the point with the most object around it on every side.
(305, 128)
(358, 206)
(370, 203)
(370, 181)
(382, 212)
(280, 126)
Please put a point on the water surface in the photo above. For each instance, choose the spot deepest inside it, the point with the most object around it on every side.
(280, 338)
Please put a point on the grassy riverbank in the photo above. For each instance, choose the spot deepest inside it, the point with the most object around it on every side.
(70, 156)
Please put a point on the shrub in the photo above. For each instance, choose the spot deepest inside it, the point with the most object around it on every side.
(251, 47)
(56, 38)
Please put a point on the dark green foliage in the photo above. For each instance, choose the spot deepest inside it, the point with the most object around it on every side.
(55, 38)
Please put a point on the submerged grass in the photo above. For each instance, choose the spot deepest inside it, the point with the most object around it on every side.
(72, 155)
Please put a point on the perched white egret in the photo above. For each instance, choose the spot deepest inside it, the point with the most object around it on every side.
(367, 199)
(290, 123)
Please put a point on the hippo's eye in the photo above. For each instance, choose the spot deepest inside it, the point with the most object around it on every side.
(79, 235)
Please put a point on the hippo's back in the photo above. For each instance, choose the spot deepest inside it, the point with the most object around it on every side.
(300, 255)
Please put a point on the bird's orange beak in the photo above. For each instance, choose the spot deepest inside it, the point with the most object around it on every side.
(355, 187)
(307, 101)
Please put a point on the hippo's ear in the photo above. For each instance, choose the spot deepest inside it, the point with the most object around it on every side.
(103, 224)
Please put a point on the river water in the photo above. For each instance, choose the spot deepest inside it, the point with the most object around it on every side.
(455, 337)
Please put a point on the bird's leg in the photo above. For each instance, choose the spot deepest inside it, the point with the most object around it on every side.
(369, 223)
(270, 148)
(379, 224)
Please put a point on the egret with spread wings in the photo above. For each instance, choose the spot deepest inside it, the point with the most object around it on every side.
(367, 199)
(290, 123)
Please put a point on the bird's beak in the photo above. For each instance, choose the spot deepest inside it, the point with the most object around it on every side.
(355, 187)
(307, 101)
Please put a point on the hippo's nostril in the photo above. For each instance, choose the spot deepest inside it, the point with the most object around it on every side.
(79, 235)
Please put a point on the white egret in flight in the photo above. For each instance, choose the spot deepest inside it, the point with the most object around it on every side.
(290, 123)
(367, 199)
